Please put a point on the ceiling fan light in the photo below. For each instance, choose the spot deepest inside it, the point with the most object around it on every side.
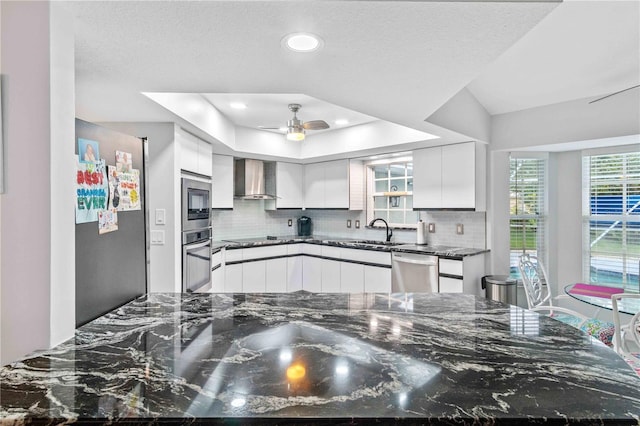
(295, 134)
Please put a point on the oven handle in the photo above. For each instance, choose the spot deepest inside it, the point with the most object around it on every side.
(414, 262)
(197, 245)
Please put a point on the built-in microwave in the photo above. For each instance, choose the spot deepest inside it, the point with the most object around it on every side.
(196, 204)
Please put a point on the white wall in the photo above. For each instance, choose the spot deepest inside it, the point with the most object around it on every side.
(498, 212)
(359, 139)
(565, 219)
(62, 173)
(202, 114)
(37, 229)
(567, 122)
(164, 193)
(465, 115)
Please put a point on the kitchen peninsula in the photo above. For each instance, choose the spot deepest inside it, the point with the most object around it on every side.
(323, 359)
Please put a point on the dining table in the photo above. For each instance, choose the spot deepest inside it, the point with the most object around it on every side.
(600, 297)
(322, 359)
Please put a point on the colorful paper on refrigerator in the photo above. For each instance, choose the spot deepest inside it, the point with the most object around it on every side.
(91, 190)
(107, 221)
(124, 189)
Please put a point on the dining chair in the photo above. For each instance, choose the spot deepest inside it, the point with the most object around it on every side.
(627, 336)
(540, 299)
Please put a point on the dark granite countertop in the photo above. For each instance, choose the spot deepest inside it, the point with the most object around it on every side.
(443, 251)
(323, 359)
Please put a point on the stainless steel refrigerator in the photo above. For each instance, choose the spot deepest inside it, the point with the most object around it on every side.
(111, 267)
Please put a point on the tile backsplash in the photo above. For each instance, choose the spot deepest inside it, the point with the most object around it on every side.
(249, 219)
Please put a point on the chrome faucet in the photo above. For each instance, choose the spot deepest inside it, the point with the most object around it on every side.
(389, 231)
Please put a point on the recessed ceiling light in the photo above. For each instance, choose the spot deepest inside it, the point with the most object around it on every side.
(238, 105)
(302, 42)
(341, 122)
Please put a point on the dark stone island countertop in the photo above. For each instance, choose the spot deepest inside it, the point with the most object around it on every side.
(302, 358)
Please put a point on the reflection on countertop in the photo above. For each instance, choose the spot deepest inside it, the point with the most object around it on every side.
(355, 358)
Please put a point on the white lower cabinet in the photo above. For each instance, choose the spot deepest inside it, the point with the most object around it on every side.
(294, 273)
(311, 267)
(351, 277)
(377, 279)
(254, 277)
(330, 276)
(217, 280)
(451, 285)
(276, 275)
(312, 270)
(233, 278)
(294, 267)
(462, 276)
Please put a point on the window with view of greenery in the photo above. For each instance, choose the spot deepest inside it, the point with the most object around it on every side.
(527, 194)
(611, 222)
(391, 193)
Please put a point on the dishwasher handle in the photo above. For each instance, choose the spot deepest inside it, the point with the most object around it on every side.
(415, 262)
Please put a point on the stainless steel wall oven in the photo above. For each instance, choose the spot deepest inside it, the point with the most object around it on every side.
(196, 235)
(196, 204)
(196, 260)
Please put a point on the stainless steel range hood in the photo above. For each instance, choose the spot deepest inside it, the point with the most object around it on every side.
(249, 182)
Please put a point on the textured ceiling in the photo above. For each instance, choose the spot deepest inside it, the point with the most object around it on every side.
(392, 60)
(582, 49)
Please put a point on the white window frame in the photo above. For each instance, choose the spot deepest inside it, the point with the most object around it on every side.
(628, 260)
(371, 191)
(542, 217)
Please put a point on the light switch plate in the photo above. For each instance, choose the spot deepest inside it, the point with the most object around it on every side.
(290, 222)
(160, 216)
(432, 227)
(459, 229)
(348, 223)
(357, 224)
(157, 237)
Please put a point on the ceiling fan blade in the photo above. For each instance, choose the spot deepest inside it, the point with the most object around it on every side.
(268, 128)
(615, 93)
(315, 125)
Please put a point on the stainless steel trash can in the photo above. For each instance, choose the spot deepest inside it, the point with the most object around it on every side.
(500, 287)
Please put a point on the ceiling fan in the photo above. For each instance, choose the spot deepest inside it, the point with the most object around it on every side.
(615, 93)
(296, 127)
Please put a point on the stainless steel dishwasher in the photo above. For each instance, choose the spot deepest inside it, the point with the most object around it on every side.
(414, 273)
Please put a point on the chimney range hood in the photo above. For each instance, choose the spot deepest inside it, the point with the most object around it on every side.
(249, 180)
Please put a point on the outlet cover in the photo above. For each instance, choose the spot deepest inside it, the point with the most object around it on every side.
(432, 227)
(357, 224)
(290, 222)
(459, 229)
(348, 223)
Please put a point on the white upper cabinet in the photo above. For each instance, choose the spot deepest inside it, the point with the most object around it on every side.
(314, 185)
(221, 181)
(450, 177)
(334, 185)
(195, 154)
(285, 180)
(427, 178)
(205, 165)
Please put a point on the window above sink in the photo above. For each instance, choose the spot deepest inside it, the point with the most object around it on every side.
(390, 192)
